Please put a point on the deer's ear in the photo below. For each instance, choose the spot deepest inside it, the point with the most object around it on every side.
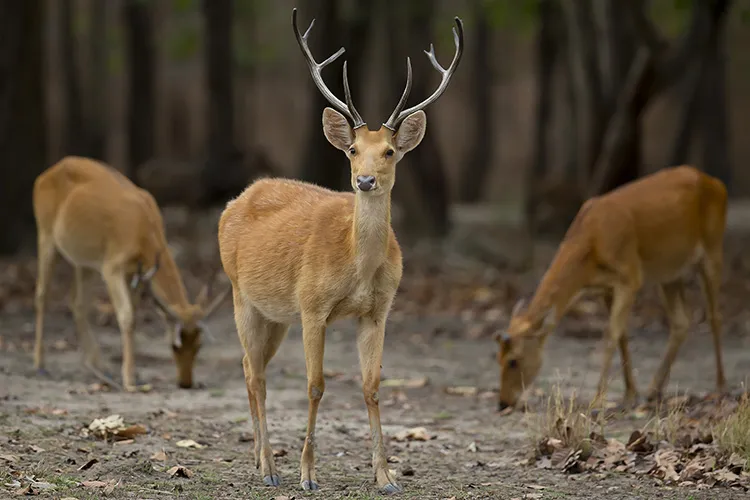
(337, 129)
(411, 132)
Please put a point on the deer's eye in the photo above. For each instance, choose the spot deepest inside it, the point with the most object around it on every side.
(513, 364)
(352, 151)
(389, 153)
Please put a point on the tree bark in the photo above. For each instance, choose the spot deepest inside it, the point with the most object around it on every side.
(713, 104)
(74, 133)
(482, 149)
(98, 82)
(426, 211)
(546, 54)
(323, 164)
(219, 173)
(140, 54)
(23, 136)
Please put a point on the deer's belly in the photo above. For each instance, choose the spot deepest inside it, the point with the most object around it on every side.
(673, 265)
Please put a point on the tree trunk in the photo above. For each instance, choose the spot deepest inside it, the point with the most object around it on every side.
(74, 134)
(426, 205)
(23, 136)
(546, 54)
(713, 104)
(98, 82)
(219, 174)
(140, 54)
(482, 149)
(686, 128)
(323, 164)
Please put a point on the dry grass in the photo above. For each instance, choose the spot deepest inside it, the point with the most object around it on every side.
(564, 419)
(733, 433)
(669, 419)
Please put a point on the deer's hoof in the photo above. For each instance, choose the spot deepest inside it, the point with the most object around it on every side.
(309, 485)
(272, 480)
(391, 489)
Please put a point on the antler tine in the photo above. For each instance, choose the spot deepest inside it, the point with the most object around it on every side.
(356, 117)
(315, 69)
(390, 124)
(458, 39)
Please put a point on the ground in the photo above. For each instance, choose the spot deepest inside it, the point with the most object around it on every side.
(475, 452)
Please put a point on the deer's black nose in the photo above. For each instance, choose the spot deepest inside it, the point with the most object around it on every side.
(365, 182)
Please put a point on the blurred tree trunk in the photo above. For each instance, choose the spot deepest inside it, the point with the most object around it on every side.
(322, 164)
(141, 56)
(74, 133)
(483, 139)
(610, 145)
(713, 106)
(98, 82)
(219, 171)
(426, 204)
(547, 43)
(23, 134)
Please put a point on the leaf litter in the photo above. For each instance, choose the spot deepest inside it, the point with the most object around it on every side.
(690, 458)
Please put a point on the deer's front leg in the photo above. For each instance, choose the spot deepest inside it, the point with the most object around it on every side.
(119, 293)
(370, 344)
(622, 302)
(313, 338)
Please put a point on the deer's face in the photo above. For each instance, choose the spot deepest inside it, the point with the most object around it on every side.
(185, 335)
(373, 154)
(520, 359)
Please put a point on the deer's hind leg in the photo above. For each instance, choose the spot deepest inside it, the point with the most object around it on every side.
(710, 273)
(45, 262)
(260, 339)
(79, 306)
(673, 296)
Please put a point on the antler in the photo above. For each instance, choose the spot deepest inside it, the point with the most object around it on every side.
(347, 109)
(398, 115)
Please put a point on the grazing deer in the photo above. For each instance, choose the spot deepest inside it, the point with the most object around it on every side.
(654, 229)
(297, 252)
(99, 220)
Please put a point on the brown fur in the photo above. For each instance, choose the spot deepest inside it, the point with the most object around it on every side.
(298, 252)
(652, 230)
(99, 220)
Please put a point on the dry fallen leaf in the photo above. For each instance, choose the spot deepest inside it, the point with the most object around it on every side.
(188, 443)
(131, 431)
(88, 464)
(414, 383)
(472, 448)
(36, 449)
(160, 456)
(94, 484)
(393, 459)
(9, 458)
(180, 471)
(124, 442)
(414, 434)
(279, 453)
(462, 390)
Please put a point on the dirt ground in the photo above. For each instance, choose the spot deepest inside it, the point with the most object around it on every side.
(475, 452)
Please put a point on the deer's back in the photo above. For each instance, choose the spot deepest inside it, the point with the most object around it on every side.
(668, 219)
(94, 213)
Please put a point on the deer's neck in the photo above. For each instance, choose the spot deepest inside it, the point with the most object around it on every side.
(372, 224)
(562, 283)
(167, 281)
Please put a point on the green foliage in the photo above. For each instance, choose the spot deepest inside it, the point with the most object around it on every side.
(515, 14)
(183, 46)
(671, 18)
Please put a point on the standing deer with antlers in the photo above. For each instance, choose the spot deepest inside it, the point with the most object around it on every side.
(99, 220)
(297, 252)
